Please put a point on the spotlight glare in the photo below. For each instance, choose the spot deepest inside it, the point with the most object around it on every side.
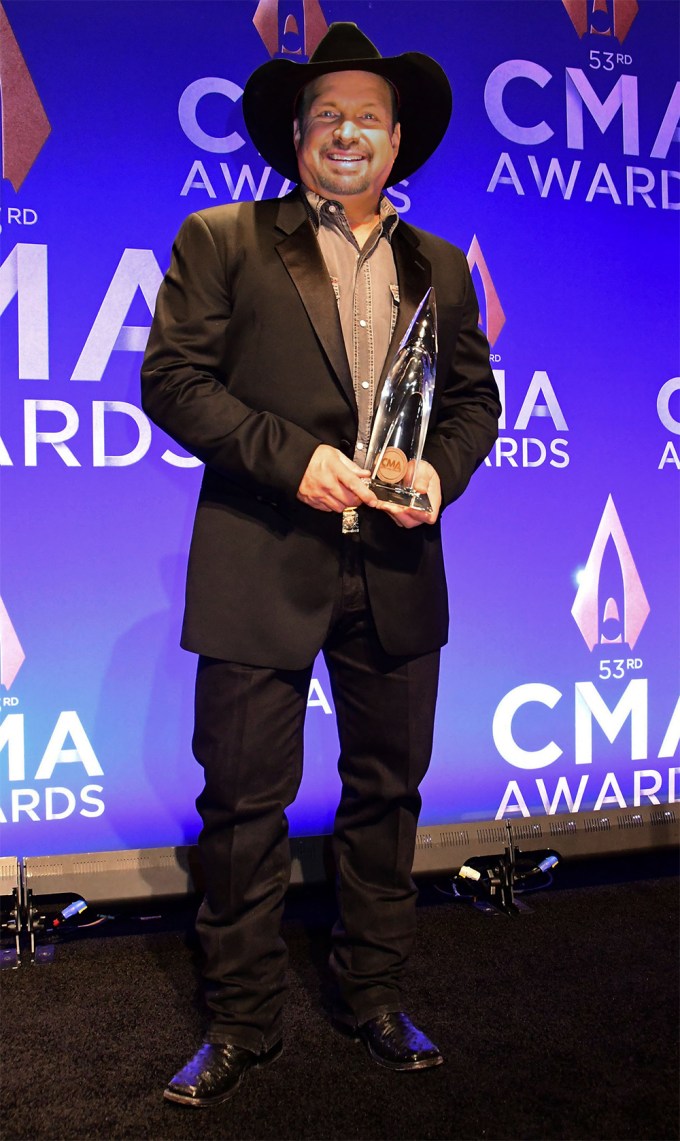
(577, 576)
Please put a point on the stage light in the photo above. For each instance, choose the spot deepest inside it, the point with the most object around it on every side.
(491, 882)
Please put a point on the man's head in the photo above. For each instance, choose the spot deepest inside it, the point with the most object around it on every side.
(345, 134)
(281, 91)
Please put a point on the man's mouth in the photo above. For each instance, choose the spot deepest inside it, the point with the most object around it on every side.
(345, 157)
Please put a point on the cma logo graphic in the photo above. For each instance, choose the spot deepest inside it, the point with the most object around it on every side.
(25, 125)
(539, 403)
(615, 101)
(593, 618)
(279, 27)
(68, 744)
(602, 17)
(12, 656)
(495, 317)
(608, 713)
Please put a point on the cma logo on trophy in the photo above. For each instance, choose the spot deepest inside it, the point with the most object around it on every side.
(277, 24)
(25, 125)
(12, 656)
(595, 621)
(602, 17)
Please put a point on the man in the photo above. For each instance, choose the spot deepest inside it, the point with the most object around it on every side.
(274, 327)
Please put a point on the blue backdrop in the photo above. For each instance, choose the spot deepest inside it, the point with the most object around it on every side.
(559, 175)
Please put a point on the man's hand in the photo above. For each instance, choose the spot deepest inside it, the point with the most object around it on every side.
(333, 482)
(427, 482)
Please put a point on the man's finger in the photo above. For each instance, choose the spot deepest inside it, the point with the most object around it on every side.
(363, 492)
(408, 517)
(423, 478)
(354, 467)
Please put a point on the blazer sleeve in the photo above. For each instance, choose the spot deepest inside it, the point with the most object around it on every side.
(466, 416)
(185, 376)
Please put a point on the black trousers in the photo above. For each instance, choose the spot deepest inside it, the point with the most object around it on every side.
(249, 739)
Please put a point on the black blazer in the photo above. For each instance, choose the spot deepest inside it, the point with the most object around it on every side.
(246, 368)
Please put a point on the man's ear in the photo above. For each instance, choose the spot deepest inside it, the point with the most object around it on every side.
(396, 138)
(296, 133)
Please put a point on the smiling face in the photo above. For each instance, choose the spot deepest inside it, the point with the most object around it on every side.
(345, 139)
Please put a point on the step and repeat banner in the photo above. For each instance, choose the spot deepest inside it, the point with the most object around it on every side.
(559, 177)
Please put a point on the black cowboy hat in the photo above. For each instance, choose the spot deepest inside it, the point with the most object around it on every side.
(424, 97)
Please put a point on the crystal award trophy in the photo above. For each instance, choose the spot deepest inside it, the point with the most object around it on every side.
(403, 412)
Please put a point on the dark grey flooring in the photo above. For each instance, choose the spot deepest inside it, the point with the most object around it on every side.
(561, 1023)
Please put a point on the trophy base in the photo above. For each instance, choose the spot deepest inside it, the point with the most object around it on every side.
(403, 496)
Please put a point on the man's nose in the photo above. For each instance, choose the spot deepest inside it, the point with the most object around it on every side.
(347, 130)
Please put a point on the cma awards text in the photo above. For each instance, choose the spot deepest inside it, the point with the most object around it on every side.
(642, 786)
(116, 433)
(68, 745)
(612, 181)
(590, 709)
(632, 184)
(69, 756)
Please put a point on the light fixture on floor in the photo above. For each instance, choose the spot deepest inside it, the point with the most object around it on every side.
(491, 882)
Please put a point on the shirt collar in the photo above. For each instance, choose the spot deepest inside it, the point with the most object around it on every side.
(329, 212)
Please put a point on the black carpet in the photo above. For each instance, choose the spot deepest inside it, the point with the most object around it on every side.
(561, 1023)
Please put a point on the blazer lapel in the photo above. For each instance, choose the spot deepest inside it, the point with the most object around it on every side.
(414, 274)
(300, 253)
